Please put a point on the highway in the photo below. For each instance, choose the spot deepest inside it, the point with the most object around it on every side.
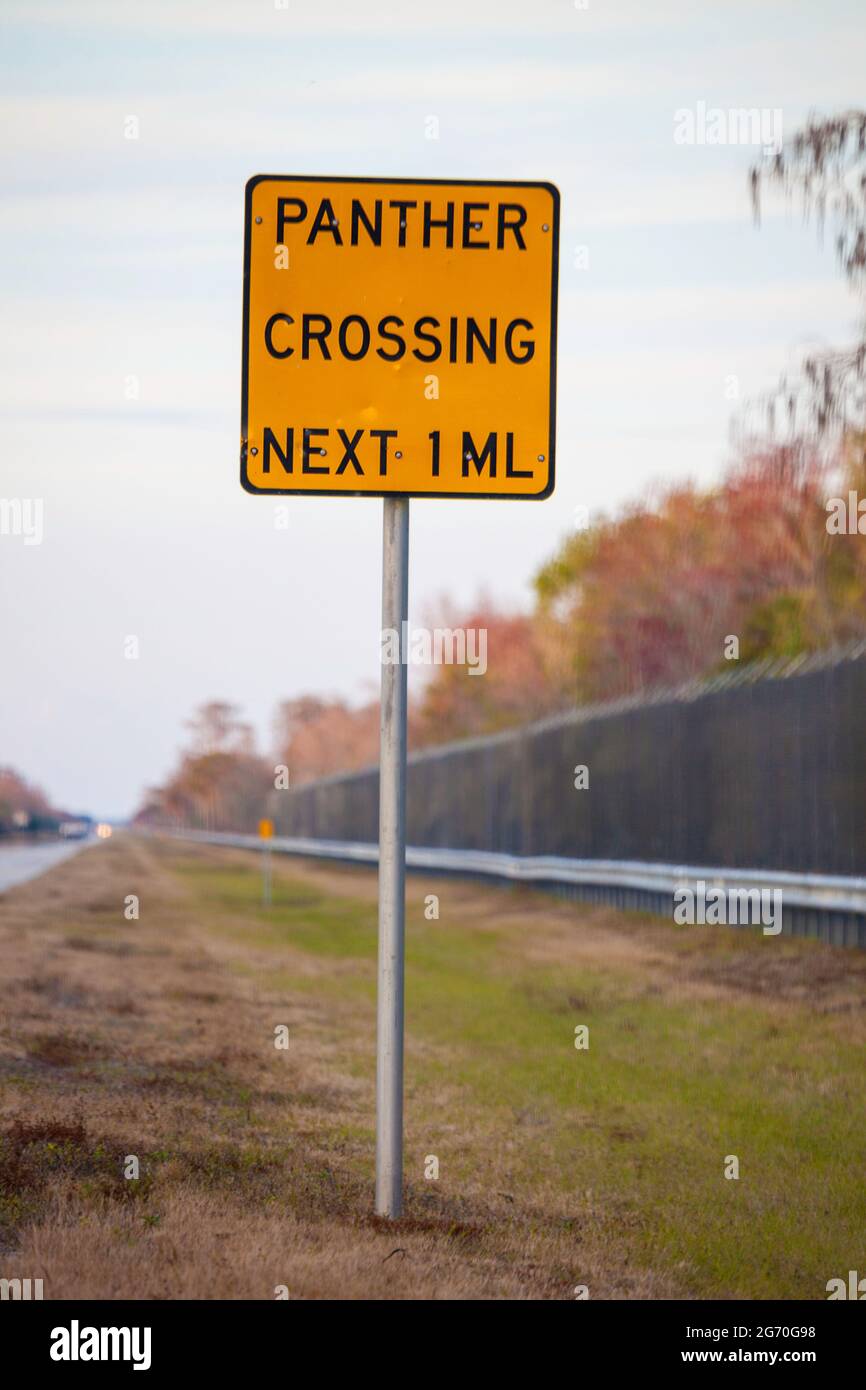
(18, 863)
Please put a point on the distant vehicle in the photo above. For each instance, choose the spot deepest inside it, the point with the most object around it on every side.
(74, 829)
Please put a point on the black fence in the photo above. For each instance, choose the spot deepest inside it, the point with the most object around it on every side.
(765, 768)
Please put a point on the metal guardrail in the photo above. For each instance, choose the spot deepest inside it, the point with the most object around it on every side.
(830, 908)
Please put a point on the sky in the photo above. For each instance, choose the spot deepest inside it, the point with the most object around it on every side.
(121, 271)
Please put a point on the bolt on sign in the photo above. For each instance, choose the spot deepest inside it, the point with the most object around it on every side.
(399, 337)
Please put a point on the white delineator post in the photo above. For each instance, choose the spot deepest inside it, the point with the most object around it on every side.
(392, 864)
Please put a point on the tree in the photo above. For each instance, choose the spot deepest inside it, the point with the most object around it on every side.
(217, 728)
(220, 782)
(24, 806)
(824, 166)
(315, 736)
(516, 687)
(648, 599)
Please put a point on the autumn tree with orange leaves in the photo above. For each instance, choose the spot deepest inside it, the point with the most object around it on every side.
(315, 737)
(517, 687)
(650, 598)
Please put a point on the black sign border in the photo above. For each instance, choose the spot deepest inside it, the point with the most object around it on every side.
(253, 183)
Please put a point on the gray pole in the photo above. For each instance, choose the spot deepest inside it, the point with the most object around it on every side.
(392, 865)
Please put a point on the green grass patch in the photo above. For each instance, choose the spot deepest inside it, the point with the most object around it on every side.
(643, 1120)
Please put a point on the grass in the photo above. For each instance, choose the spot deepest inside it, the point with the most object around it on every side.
(556, 1166)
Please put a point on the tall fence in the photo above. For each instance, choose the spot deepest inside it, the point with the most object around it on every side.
(764, 769)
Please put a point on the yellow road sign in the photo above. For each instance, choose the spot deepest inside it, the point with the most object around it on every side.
(399, 337)
(266, 829)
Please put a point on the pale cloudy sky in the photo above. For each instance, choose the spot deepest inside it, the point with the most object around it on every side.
(123, 258)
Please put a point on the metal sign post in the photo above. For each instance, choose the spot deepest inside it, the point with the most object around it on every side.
(392, 864)
(399, 340)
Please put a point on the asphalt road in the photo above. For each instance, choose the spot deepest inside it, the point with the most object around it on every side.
(18, 863)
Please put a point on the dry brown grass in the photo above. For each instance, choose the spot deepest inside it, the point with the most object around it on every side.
(140, 1038)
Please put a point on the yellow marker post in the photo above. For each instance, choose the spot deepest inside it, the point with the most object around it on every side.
(266, 834)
